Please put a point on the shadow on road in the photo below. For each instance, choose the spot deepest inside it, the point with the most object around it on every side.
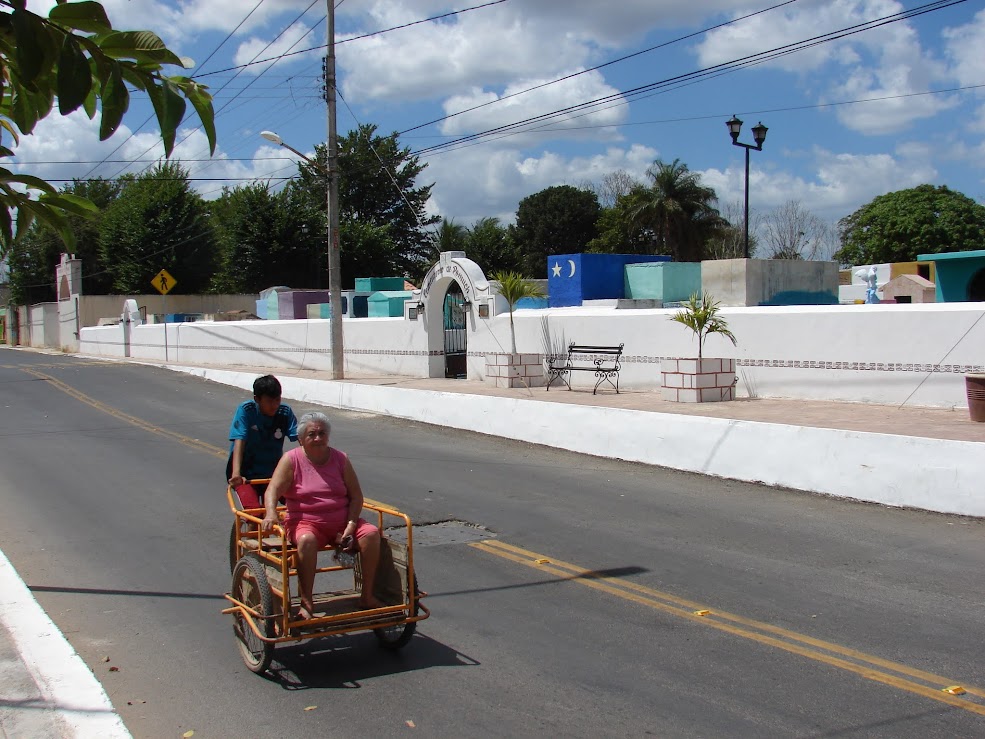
(591, 575)
(110, 591)
(346, 661)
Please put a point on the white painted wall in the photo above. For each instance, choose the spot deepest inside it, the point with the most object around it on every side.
(42, 321)
(863, 353)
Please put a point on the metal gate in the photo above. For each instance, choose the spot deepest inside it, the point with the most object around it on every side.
(454, 324)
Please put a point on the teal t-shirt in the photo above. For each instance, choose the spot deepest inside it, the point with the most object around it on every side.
(264, 437)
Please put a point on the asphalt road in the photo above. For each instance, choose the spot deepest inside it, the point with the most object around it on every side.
(824, 618)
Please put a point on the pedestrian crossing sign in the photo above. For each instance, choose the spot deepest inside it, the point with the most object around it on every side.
(163, 281)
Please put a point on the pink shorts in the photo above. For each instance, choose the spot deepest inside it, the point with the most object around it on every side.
(326, 533)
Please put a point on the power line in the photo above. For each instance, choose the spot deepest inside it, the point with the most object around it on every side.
(218, 112)
(749, 60)
(150, 117)
(597, 67)
(230, 34)
(356, 38)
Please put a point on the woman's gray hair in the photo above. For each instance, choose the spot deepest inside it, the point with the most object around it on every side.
(313, 417)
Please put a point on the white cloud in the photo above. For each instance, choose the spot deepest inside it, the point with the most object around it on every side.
(497, 45)
(563, 95)
(476, 183)
(296, 38)
(887, 61)
(65, 147)
(840, 183)
(963, 48)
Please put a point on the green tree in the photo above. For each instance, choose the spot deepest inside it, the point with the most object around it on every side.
(514, 288)
(618, 232)
(262, 240)
(75, 57)
(700, 314)
(35, 255)
(898, 226)
(378, 188)
(450, 236)
(558, 220)
(676, 210)
(488, 244)
(158, 222)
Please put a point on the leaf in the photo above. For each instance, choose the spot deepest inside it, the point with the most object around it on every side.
(31, 181)
(89, 104)
(202, 102)
(74, 76)
(84, 16)
(52, 218)
(116, 100)
(25, 217)
(4, 123)
(5, 226)
(170, 109)
(30, 38)
(71, 203)
(310, 708)
(141, 46)
(188, 734)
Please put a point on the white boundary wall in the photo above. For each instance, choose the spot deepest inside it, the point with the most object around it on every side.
(846, 464)
(884, 354)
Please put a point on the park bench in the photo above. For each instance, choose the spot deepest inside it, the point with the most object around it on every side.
(602, 360)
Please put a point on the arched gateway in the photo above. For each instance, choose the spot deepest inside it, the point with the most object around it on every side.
(452, 291)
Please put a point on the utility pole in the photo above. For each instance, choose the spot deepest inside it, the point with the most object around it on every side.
(334, 261)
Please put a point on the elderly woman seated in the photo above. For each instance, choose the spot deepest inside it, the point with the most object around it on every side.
(324, 501)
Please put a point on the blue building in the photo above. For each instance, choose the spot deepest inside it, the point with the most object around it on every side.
(575, 278)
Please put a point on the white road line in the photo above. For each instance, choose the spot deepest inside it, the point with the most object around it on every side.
(67, 684)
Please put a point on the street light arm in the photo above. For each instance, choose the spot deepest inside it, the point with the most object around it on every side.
(271, 136)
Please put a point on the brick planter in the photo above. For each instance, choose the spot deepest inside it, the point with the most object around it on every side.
(514, 370)
(698, 380)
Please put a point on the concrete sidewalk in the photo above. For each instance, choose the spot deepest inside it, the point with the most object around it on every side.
(925, 458)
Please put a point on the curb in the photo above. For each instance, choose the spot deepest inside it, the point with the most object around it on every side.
(938, 475)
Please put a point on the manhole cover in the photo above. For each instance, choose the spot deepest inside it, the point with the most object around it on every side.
(442, 532)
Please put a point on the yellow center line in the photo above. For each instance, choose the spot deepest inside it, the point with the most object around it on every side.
(188, 441)
(719, 620)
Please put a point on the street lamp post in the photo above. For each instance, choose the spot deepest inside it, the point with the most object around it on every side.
(334, 271)
(759, 135)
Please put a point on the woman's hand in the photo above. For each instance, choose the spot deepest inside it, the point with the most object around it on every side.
(268, 522)
(236, 480)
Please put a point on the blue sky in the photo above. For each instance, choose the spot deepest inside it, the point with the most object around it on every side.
(824, 150)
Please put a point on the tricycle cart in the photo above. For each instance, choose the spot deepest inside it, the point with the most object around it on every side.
(265, 613)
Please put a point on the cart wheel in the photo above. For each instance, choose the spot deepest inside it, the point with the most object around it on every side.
(397, 636)
(250, 587)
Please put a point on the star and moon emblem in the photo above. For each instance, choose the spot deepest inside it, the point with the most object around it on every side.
(556, 269)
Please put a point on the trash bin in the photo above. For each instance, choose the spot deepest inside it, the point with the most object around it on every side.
(975, 387)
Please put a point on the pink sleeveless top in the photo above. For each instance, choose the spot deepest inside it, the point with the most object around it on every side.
(318, 492)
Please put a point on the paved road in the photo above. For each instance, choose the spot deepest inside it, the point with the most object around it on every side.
(825, 618)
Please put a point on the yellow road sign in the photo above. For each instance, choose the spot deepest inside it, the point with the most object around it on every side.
(164, 282)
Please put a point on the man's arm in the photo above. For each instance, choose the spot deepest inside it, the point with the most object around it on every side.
(237, 479)
(238, 432)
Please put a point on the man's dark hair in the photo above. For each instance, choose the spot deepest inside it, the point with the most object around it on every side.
(267, 386)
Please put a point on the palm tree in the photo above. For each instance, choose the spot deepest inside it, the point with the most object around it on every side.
(676, 209)
(513, 287)
(700, 314)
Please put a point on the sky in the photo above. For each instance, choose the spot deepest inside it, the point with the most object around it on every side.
(888, 107)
